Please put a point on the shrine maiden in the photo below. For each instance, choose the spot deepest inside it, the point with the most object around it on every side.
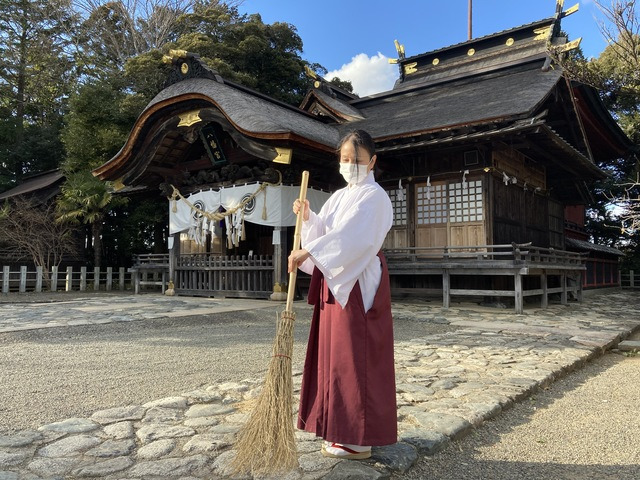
(348, 394)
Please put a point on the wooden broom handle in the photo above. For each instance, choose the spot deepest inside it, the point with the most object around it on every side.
(296, 239)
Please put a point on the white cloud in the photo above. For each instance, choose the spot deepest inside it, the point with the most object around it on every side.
(368, 75)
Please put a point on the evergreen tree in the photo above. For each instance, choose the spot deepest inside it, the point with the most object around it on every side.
(36, 76)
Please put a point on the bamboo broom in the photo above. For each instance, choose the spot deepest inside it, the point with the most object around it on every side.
(266, 444)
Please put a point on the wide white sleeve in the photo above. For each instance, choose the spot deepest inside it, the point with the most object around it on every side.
(343, 253)
(311, 229)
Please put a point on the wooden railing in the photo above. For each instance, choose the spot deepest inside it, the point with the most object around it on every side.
(515, 260)
(629, 279)
(507, 256)
(81, 279)
(150, 269)
(225, 276)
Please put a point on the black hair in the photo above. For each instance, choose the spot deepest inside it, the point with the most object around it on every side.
(359, 138)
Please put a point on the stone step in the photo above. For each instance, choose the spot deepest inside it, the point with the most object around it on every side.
(629, 345)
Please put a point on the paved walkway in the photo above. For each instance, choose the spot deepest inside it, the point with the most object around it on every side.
(447, 384)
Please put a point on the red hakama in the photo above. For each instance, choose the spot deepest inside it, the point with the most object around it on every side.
(348, 392)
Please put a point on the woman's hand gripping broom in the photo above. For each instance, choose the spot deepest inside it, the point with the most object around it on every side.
(266, 444)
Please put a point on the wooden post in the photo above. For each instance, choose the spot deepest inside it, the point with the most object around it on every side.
(39, 279)
(631, 279)
(69, 280)
(121, 278)
(279, 264)
(446, 289)
(563, 284)
(109, 278)
(579, 293)
(136, 281)
(96, 278)
(54, 279)
(517, 281)
(23, 279)
(83, 279)
(544, 302)
(5, 279)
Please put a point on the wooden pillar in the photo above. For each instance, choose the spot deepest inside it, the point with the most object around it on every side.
(563, 284)
(54, 279)
(519, 299)
(135, 273)
(579, 294)
(23, 279)
(96, 278)
(83, 279)
(39, 279)
(544, 302)
(279, 264)
(631, 279)
(109, 278)
(174, 251)
(68, 285)
(5, 279)
(121, 278)
(446, 289)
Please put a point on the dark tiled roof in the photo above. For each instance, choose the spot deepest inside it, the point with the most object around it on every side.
(36, 183)
(338, 107)
(256, 115)
(591, 247)
(471, 101)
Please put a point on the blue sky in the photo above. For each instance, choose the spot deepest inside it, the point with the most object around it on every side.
(353, 39)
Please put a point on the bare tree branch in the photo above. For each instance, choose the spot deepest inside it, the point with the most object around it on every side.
(28, 230)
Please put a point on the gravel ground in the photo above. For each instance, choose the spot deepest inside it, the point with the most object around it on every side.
(584, 427)
(56, 373)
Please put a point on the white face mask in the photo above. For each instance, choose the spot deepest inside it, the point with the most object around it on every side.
(353, 173)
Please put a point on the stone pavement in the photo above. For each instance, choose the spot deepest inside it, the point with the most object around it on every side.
(447, 384)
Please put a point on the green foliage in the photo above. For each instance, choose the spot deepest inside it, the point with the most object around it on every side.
(100, 119)
(343, 84)
(36, 76)
(140, 226)
(244, 49)
(84, 198)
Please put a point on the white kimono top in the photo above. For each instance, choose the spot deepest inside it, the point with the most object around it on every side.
(345, 238)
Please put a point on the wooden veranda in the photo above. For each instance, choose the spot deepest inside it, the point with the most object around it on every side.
(517, 261)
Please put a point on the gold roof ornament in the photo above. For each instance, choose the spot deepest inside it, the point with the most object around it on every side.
(568, 46)
(571, 10)
(189, 118)
(118, 184)
(541, 33)
(411, 68)
(400, 50)
(284, 155)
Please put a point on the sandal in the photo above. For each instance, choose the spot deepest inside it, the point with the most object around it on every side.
(349, 452)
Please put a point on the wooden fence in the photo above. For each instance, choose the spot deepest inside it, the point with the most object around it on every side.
(630, 279)
(83, 279)
(224, 276)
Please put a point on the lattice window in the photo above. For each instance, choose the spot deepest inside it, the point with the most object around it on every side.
(465, 204)
(431, 204)
(399, 207)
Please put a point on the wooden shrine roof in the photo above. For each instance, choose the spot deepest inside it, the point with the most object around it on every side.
(43, 185)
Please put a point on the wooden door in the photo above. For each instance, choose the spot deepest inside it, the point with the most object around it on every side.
(431, 211)
(450, 214)
(466, 214)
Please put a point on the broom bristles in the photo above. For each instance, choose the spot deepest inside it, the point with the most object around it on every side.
(266, 444)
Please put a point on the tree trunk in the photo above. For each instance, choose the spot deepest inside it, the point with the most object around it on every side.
(96, 229)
